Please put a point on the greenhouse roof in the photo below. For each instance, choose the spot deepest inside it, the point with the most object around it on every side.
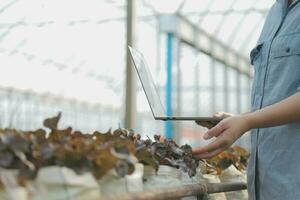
(237, 23)
(47, 46)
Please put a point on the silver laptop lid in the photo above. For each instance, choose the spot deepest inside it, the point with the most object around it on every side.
(147, 83)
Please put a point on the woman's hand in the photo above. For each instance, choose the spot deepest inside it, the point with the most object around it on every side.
(226, 133)
(231, 128)
(220, 115)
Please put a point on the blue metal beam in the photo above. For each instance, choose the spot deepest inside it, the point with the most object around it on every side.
(169, 124)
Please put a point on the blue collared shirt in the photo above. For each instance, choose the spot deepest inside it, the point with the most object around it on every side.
(274, 167)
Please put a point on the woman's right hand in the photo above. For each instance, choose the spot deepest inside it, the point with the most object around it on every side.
(220, 115)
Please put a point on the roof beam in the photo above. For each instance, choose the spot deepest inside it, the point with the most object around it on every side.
(205, 42)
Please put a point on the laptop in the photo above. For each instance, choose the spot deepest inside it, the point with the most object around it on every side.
(152, 95)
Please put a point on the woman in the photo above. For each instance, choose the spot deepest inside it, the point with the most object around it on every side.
(274, 166)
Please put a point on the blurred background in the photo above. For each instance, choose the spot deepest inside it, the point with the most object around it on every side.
(71, 56)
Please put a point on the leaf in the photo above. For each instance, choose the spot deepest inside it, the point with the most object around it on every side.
(60, 136)
(166, 152)
(144, 156)
(120, 132)
(52, 122)
(15, 141)
(236, 156)
(44, 152)
(123, 168)
(243, 156)
(6, 159)
(37, 136)
(98, 153)
(187, 149)
(103, 162)
(104, 137)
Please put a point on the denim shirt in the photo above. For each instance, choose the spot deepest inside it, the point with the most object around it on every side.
(274, 166)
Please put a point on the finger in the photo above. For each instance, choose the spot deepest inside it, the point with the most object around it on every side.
(218, 114)
(222, 115)
(210, 147)
(210, 154)
(214, 132)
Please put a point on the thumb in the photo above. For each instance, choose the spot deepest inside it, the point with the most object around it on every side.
(214, 132)
(222, 115)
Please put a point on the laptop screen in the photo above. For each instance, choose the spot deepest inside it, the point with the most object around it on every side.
(147, 83)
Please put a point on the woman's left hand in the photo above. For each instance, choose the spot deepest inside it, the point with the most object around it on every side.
(226, 133)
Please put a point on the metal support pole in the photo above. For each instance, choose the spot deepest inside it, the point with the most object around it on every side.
(169, 124)
(130, 96)
(213, 86)
(249, 89)
(158, 69)
(213, 89)
(226, 88)
(197, 85)
(239, 92)
(178, 125)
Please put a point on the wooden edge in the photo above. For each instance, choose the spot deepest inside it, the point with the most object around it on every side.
(182, 191)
